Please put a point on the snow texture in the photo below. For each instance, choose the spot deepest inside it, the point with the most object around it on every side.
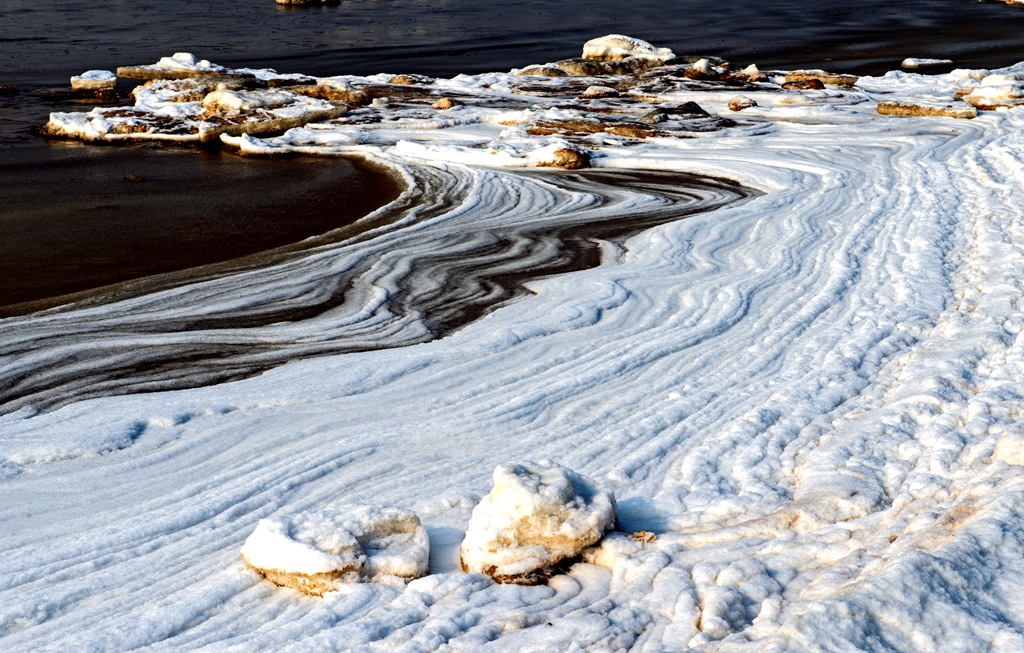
(537, 515)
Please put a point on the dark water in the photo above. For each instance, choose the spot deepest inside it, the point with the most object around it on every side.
(46, 42)
(43, 43)
(134, 212)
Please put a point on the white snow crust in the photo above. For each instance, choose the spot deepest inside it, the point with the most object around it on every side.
(188, 61)
(537, 515)
(372, 542)
(615, 47)
(811, 398)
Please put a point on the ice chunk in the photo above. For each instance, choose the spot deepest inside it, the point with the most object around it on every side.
(741, 102)
(955, 109)
(616, 47)
(316, 552)
(188, 61)
(537, 515)
(1010, 449)
(915, 62)
(94, 80)
(998, 91)
(561, 155)
(826, 78)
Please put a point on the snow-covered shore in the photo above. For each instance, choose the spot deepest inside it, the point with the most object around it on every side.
(812, 397)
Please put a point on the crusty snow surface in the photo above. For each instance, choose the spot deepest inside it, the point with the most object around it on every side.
(813, 398)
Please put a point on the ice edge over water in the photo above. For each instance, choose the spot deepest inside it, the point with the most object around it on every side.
(811, 398)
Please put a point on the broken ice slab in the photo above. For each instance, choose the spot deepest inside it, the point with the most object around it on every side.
(221, 111)
(181, 65)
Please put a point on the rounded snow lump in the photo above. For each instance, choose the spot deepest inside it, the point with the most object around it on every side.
(616, 47)
(315, 552)
(537, 515)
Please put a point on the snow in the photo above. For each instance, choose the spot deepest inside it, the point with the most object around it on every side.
(347, 544)
(615, 47)
(94, 80)
(917, 62)
(188, 61)
(810, 395)
(537, 515)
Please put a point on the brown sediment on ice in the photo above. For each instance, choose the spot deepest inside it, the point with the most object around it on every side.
(902, 108)
(162, 72)
(312, 584)
(826, 78)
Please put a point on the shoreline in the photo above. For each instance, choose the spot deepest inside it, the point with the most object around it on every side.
(135, 219)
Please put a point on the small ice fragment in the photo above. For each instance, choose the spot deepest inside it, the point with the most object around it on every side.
(914, 62)
(445, 103)
(741, 102)
(411, 80)
(998, 91)
(537, 515)
(702, 70)
(561, 155)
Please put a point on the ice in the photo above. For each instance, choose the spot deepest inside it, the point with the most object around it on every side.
(242, 101)
(94, 80)
(802, 383)
(616, 47)
(536, 516)
(916, 62)
(319, 551)
(997, 91)
(188, 61)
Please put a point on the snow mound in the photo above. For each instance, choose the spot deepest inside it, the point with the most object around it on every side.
(537, 515)
(189, 61)
(616, 47)
(316, 552)
(998, 91)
